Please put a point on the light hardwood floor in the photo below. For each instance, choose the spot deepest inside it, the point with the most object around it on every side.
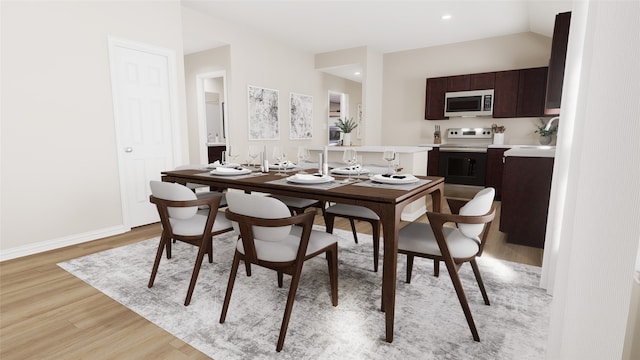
(47, 313)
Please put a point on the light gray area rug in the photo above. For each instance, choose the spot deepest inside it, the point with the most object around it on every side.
(429, 322)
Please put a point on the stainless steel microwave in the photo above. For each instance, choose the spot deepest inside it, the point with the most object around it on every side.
(469, 103)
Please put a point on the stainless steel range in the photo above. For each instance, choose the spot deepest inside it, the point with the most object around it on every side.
(463, 158)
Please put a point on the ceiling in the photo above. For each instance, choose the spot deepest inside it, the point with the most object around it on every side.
(383, 26)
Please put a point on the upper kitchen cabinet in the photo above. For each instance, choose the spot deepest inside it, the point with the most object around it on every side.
(520, 93)
(506, 94)
(532, 84)
(437, 87)
(557, 61)
(434, 102)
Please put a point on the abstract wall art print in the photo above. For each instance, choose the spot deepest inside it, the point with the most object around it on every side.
(301, 116)
(263, 114)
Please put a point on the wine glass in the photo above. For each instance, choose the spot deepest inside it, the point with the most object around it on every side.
(359, 166)
(231, 156)
(254, 152)
(389, 155)
(279, 156)
(350, 157)
(303, 156)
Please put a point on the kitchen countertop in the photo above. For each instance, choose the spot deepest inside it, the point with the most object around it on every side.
(374, 149)
(531, 151)
(216, 144)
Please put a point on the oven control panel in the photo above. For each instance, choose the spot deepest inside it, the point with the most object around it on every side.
(469, 133)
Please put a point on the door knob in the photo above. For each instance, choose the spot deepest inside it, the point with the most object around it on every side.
(128, 149)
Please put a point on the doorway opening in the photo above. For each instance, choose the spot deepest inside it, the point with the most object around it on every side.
(212, 114)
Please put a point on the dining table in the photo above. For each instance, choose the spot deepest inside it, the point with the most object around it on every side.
(386, 200)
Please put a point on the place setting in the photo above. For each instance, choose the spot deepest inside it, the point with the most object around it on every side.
(392, 179)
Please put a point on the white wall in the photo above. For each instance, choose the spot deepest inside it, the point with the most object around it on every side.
(405, 75)
(59, 162)
(599, 234)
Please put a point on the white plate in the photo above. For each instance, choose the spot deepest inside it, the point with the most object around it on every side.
(217, 164)
(230, 171)
(287, 166)
(348, 171)
(395, 179)
(309, 179)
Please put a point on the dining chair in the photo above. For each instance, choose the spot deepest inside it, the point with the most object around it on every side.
(355, 212)
(298, 205)
(182, 220)
(453, 245)
(203, 194)
(269, 239)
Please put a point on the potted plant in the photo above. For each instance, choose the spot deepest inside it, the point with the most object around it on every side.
(546, 135)
(346, 125)
(498, 134)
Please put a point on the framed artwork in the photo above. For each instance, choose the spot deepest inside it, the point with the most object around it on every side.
(360, 120)
(263, 114)
(301, 116)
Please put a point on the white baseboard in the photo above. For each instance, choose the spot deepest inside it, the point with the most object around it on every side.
(414, 215)
(61, 242)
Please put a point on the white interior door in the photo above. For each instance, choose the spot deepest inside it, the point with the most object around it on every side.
(144, 118)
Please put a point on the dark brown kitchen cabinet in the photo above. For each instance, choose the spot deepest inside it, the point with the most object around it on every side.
(432, 161)
(532, 84)
(215, 153)
(482, 81)
(506, 94)
(526, 187)
(434, 102)
(458, 83)
(495, 168)
(557, 62)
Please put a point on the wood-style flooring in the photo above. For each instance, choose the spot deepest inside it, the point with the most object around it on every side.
(47, 313)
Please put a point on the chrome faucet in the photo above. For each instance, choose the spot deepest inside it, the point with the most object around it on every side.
(548, 126)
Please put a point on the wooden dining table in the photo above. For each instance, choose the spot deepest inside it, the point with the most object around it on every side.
(386, 201)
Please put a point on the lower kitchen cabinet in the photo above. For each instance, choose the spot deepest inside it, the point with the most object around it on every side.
(215, 153)
(526, 187)
(432, 161)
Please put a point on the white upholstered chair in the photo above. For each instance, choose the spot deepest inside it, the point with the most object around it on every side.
(453, 245)
(355, 212)
(269, 239)
(182, 220)
(203, 194)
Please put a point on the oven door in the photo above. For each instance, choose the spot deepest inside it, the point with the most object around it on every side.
(464, 168)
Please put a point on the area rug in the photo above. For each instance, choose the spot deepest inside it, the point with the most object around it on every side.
(429, 322)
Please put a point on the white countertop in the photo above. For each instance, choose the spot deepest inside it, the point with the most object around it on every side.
(216, 144)
(531, 151)
(376, 149)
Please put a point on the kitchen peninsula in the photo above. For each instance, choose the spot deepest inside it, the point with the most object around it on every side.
(412, 160)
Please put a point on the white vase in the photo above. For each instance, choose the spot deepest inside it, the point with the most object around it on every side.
(498, 138)
(346, 139)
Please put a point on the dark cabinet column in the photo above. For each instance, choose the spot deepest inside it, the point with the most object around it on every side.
(215, 153)
(557, 63)
(526, 187)
(432, 162)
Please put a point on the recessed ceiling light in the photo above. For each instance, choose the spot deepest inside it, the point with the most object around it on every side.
(446, 17)
(356, 73)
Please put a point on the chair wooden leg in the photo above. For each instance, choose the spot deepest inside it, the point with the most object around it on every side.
(457, 284)
(353, 230)
(332, 262)
(476, 272)
(295, 279)
(436, 267)
(232, 280)
(376, 244)
(168, 247)
(156, 262)
(409, 267)
(210, 252)
(328, 223)
(204, 248)
(280, 279)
